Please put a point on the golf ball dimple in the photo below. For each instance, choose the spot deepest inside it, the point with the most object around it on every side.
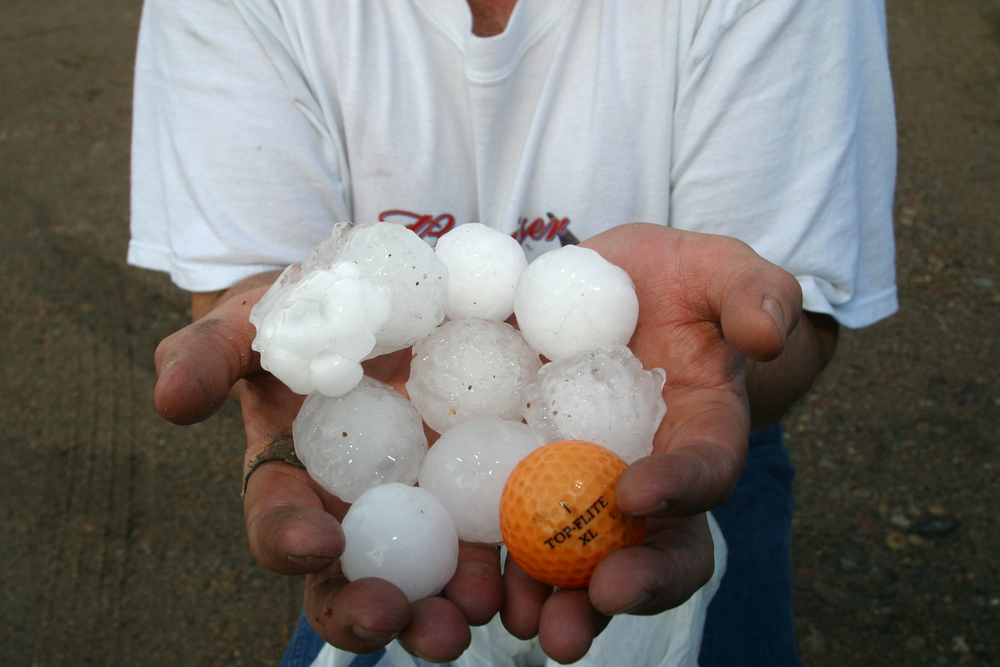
(558, 514)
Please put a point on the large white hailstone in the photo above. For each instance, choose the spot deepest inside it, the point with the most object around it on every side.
(601, 396)
(402, 266)
(367, 437)
(402, 534)
(571, 299)
(468, 369)
(314, 329)
(483, 267)
(467, 468)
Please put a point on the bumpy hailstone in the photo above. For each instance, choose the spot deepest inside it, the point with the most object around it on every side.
(572, 299)
(402, 534)
(483, 267)
(313, 330)
(601, 396)
(467, 468)
(399, 264)
(468, 369)
(367, 437)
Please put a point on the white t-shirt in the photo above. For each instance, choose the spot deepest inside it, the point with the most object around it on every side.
(260, 123)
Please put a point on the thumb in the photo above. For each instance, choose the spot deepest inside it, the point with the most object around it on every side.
(761, 305)
(198, 365)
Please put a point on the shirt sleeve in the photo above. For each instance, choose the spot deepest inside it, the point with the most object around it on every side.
(234, 169)
(785, 138)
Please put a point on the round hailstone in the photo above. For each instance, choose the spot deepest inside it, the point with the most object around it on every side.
(370, 436)
(313, 332)
(468, 369)
(467, 468)
(572, 299)
(601, 396)
(402, 534)
(483, 267)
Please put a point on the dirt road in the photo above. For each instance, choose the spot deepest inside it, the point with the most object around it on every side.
(121, 536)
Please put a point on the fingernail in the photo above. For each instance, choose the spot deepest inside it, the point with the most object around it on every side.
(374, 635)
(773, 309)
(418, 655)
(643, 600)
(317, 562)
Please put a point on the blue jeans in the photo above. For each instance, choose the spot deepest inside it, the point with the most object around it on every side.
(750, 620)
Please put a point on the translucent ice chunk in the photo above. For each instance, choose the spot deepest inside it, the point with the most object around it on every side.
(331, 251)
(601, 396)
(367, 437)
(401, 266)
(313, 333)
(402, 534)
(468, 369)
(483, 267)
(572, 299)
(467, 468)
(407, 271)
(276, 294)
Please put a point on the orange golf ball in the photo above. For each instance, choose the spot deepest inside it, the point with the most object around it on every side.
(558, 514)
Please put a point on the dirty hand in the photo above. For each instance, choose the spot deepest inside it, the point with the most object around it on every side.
(706, 304)
(292, 523)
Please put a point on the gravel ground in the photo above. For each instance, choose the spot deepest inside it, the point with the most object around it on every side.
(122, 536)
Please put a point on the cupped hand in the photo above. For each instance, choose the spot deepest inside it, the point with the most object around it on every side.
(292, 523)
(706, 304)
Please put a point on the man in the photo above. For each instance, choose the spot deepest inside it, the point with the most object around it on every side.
(261, 123)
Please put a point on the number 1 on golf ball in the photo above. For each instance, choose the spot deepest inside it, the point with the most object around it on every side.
(558, 514)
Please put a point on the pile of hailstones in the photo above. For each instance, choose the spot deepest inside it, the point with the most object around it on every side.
(474, 379)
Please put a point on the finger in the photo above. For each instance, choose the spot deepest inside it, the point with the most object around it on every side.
(760, 306)
(524, 597)
(289, 529)
(269, 407)
(569, 624)
(197, 365)
(698, 454)
(724, 280)
(361, 616)
(677, 559)
(477, 587)
(437, 631)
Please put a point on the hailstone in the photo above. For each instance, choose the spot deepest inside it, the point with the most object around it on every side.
(572, 299)
(314, 329)
(467, 468)
(369, 436)
(402, 534)
(470, 368)
(603, 396)
(483, 267)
